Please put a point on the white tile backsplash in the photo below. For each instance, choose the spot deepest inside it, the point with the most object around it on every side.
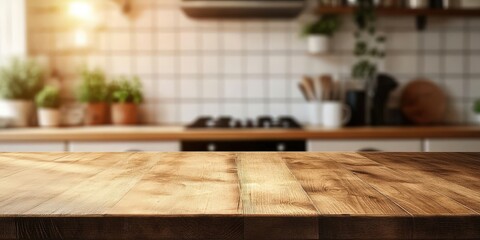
(210, 41)
(166, 41)
(232, 41)
(167, 89)
(144, 64)
(255, 88)
(121, 65)
(255, 40)
(455, 41)
(188, 41)
(247, 68)
(143, 41)
(405, 41)
(454, 64)
(255, 64)
(210, 64)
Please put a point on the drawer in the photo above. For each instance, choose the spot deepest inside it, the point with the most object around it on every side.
(125, 146)
(384, 145)
(452, 145)
(32, 146)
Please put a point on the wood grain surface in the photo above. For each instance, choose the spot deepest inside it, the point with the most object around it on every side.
(151, 133)
(239, 195)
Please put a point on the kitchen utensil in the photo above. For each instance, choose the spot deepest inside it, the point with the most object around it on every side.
(335, 114)
(423, 102)
(309, 96)
(326, 86)
(319, 89)
(355, 99)
(303, 91)
(307, 83)
(385, 85)
(310, 85)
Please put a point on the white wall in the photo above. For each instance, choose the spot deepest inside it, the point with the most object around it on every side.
(12, 29)
(247, 68)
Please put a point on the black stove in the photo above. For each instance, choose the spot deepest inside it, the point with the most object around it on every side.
(249, 145)
(263, 122)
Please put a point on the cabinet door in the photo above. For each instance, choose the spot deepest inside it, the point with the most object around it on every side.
(384, 145)
(32, 147)
(452, 145)
(125, 146)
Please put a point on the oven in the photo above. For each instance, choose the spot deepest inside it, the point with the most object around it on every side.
(253, 145)
(245, 146)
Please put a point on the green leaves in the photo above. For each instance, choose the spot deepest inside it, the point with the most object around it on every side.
(325, 25)
(476, 106)
(360, 48)
(94, 87)
(21, 79)
(364, 69)
(369, 45)
(127, 90)
(48, 97)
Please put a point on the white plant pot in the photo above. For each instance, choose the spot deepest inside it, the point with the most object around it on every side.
(18, 112)
(48, 117)
(318, 44)
(477, 118)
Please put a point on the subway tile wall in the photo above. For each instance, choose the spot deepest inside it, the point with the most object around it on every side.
(243, 68)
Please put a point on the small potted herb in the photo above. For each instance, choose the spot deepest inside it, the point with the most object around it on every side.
(94, 92)
(20, 81)
(476, 110)
(126, 96)
(48, 104)
(319, 32)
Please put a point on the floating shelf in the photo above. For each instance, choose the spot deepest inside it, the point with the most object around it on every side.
(406, 11)
(421, 14)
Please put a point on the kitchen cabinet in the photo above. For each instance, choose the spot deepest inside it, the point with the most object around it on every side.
(124, 146)
(452, 145)
(385, 145)
(32, 146)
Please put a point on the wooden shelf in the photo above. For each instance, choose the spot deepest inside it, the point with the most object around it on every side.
(420, 14)
(405, 11)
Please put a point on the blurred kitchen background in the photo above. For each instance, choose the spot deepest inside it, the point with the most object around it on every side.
(242, 68)
(253, 67)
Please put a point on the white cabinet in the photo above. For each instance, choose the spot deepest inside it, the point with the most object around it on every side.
(32, 147)
(350, 145)
(125, 146)
(452, 145)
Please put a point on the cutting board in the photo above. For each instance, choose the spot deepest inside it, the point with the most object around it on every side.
(423, 102)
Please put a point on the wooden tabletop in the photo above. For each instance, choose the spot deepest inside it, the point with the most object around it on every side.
(239, 196)
(111, 133)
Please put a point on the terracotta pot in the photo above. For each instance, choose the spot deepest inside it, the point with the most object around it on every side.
(96, 114)
(125, 114)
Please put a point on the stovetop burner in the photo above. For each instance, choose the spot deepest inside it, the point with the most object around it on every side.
(285, 122)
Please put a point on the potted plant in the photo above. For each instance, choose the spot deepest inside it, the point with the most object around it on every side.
(126, 96)
(476, 110)
(369, 51)
(94, 92)
(319, 32)
(20, 81)
(48, 104)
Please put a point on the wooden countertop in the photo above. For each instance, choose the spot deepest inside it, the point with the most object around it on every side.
(239, 196)
(180, 133)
